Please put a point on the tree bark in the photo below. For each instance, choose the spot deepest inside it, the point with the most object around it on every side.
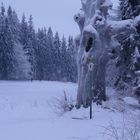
(96, 42)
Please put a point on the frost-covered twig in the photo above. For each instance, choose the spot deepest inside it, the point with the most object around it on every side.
(129, 129)
(62, 104)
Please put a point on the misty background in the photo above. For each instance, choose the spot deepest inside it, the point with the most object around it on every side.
(57, 14)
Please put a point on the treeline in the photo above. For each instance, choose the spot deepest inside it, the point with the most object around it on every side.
(26, 54)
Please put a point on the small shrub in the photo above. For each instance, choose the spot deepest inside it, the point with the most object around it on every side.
(62, 104)
(129, 129)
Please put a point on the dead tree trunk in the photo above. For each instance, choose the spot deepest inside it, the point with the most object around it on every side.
(96, 42)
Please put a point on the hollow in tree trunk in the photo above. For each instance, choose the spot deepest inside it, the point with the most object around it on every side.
(95, 44)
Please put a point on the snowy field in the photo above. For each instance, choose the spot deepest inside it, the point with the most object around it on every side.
(27, 112)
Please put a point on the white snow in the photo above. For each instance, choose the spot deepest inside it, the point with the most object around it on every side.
(115, 8)
(107, 3)
(136, 21)
(131, 101)
(137, 72)
(116, 4)
(27, 113)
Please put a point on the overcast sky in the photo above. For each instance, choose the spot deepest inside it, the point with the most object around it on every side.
(55, 13)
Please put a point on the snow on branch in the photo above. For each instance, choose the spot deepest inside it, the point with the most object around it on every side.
(80, 19)
(136, 21)
(128, 25)
(89, 30)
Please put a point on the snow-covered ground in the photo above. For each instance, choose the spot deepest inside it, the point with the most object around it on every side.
(27, 112)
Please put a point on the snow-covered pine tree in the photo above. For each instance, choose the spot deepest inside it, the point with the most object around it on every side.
(13, 23)
(97, 44)
(57, 55)
(41, 55)
(24, 33)
(21, 64)
(28, 40)
(50, 66)
(7, 55)
(31, 46)
(128, 62)
(72, 65)
(63, 59)
(2, 27)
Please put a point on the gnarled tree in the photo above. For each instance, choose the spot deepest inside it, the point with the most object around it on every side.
(97, 43)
